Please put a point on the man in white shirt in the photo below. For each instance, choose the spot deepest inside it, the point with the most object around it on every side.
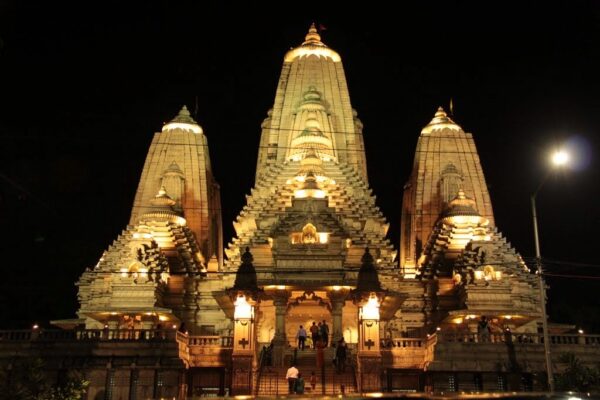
(301, 336)
(291, 376)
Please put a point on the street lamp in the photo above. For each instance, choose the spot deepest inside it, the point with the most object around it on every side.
(559, 158)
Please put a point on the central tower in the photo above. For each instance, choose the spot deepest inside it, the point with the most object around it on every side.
(312, 109)
(311, 214)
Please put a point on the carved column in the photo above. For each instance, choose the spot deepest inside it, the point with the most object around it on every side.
(243, 346)
(368, 297)
(369, 353)
(337, 305)
(280, 300)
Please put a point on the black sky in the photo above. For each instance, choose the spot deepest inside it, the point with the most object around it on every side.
(84, 86)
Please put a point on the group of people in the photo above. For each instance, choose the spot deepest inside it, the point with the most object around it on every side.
(319, 334)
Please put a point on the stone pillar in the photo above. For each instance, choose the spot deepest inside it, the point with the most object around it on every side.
(280, 343)
(190, 302)
(244, 343)
(369, 353)
(337, 305)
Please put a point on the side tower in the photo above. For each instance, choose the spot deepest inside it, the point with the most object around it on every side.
(446, 159)
(450, 244)
(178, 160)
(149, 275)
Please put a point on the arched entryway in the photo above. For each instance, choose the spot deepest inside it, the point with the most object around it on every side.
(304, 309)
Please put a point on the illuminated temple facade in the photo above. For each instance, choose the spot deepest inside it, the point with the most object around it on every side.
(169, 311)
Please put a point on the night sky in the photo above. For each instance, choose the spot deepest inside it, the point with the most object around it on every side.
(83, 89)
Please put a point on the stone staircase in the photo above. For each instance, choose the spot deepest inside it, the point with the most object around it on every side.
(272, 380)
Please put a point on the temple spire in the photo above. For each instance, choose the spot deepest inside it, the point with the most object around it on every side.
(312, 37)
(183, 120)
(440, 120)
(184, 116)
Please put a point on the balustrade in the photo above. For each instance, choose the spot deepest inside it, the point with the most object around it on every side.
(523, 338)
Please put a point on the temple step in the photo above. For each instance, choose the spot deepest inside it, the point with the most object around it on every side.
(272, 381)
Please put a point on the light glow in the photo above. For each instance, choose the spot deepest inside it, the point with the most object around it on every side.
(305, 51)
(313, 193)
(370, 310)
(560, 158)
(243, 310)
(183, 126)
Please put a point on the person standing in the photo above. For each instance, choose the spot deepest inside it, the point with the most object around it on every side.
(291, 376)
(320, 354)
(340, 355)
(325, 333)
(313, 381)
(314, 333)
(483, 329)
(299, 388)
(301, 336)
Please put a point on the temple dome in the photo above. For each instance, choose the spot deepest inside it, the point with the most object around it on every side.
(462, 209)
(440, 121)
(163, 209)
(312, 45)
(183, 120)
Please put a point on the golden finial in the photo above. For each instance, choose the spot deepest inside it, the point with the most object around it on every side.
(440, 121)
(312, 37)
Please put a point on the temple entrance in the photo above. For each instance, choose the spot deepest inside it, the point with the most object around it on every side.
(280, 315)
(305, 309)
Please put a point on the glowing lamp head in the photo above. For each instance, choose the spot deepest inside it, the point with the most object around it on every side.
(560, 158)
(371, 309)
(243, 309)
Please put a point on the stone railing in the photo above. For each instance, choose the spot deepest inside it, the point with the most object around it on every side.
(402, 343)
(87, 335)
(524, 338)
(211, 341)
(115, 335)
(407, 352)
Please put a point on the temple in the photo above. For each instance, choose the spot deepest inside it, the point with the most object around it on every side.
(169, 311)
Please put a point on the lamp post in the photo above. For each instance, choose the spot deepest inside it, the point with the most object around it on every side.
(559, 158)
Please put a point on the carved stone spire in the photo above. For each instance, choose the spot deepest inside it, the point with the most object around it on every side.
(184, 116)
(368, 280)
(245, 277)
